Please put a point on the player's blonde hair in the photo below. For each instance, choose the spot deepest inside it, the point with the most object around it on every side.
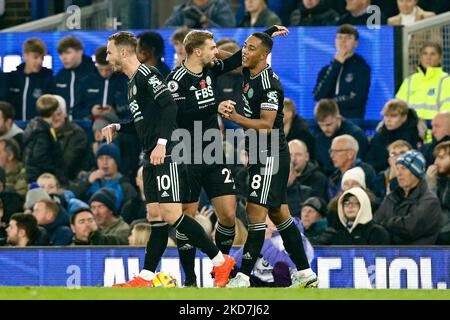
(196, 39)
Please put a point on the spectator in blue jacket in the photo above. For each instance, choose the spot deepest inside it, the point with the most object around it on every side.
(30, 81)
(104, 90)
(106, 175)
(202, 14)
(399, 123)
(54, 220)
(331, 125)
(64, 198)
(347, 78)
(70, 79)
(150, 51)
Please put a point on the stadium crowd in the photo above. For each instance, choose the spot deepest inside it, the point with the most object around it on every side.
(60, 184)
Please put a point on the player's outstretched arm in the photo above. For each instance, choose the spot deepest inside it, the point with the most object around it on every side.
(277, 30)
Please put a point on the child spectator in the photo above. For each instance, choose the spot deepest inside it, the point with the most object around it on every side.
(42, 151)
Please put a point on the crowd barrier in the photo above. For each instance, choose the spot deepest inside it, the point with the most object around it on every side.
(337, 267)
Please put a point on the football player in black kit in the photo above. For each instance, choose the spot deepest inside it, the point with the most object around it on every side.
(269, 170)
(192, 87)
(154, 120)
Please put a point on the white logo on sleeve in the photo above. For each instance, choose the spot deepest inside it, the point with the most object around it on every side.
(272, 96)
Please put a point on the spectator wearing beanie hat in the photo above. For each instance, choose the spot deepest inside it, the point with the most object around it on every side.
(314, 221)
(107, 175)
(411, 213)
(104, 208)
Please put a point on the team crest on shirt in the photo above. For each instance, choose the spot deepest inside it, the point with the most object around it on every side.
(37, 93)
(134, 90)
(208, 80)
(272, 97)
(250, 93)
(173, 85)
(349, 77)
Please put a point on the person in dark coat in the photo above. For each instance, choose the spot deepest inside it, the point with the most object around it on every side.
(400, 123)
(357, 226)
(3, 86)
(70, 80)
(105, 90)
(42, 151)
(295, 127)
(258, 15)
(8, 129)
(12, 201)
(306, 172)
(202, 14)
(229, 85)
(24, 231)
(54, 220)
(313, 13)
(296, 193)
(411, 213)
(150, 51)
(314, 219)
(331, 125)
(343, 151)
(74, 141)
(358, 14)
(135, 208)
(438, 178)
(30, 81)
(347, 78)
(440, 127)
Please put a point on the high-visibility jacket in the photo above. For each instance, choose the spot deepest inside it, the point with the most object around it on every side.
(444, 98)
(426, 92)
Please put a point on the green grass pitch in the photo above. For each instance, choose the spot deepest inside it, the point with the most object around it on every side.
(98, 293)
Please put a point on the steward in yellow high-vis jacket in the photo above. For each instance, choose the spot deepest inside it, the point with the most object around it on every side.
(428, 90)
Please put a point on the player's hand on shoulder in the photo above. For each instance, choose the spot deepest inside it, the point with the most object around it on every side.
(158, 154)
(109, 132)
(226, 108)
(282, 31)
